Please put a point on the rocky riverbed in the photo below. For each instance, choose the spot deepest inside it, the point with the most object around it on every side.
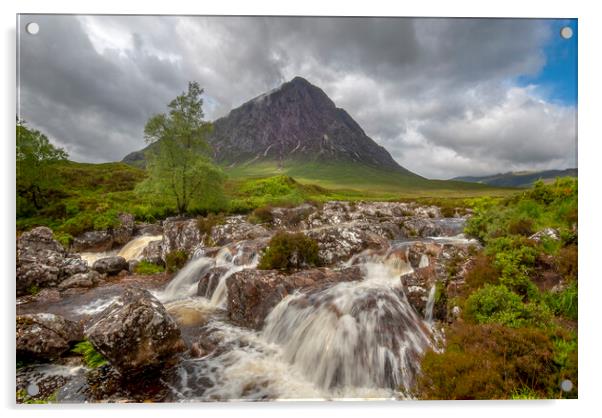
(220, 329)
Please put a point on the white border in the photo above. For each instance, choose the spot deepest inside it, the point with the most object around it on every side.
(590, 35)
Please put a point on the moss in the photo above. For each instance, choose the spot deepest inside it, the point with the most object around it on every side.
(175, 260)
(147, 268)
(34, 289)
(23, 397)
(91, 357)
(287, 251)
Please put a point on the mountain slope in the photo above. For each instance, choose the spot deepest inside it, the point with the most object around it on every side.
(296, 122)
(519, 178)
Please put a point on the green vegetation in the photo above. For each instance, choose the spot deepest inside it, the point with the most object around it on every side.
(36, 177)
(147, 268)
(517, 339)
(261, 215)
(25, 398)
(205, 224)
(175, 260)
(92, 358)
(287, 251)
(179, 167)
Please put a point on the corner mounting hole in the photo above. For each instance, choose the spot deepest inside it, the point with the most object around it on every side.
(566, 32)
(32, 28)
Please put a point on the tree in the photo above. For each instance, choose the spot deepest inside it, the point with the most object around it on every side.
(179, 165)
(35, 159)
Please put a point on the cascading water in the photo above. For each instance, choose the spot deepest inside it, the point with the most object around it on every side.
(354, 334)
(133, 249)
(430, 304)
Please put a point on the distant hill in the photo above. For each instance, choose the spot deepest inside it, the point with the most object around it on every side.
(519, 178)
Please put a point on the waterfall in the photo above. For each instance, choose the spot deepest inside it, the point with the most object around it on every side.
(185, 283)
(430, 303)
(133, 249)
(353, 334)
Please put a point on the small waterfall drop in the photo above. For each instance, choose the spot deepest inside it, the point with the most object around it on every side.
(133, 249)
(354, 334)
(430, 303)
(185, 283)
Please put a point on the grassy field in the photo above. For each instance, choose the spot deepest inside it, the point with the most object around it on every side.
(90, 196)
(363, 180)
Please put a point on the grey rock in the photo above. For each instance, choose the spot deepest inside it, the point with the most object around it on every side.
(136, 332)
(93, 241)
(89, 279)
(45, 336)
(123, 233)
(110, 265)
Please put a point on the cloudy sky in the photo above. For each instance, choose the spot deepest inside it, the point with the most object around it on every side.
(446, 97)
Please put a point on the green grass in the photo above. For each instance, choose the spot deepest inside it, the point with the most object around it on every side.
(360, 179)
(92, 358)
(147, 268)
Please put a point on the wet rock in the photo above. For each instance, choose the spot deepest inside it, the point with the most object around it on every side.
(110, 265)
(89, 279)
(252, 294)
(339, 243)
(180, 234)
(73, 264)
(39, 260)
(153, 252)
(123, 233)
(93, 241)
(235, 229)
(45, 336)
(136, 333)
(210, 280)
(148, 229)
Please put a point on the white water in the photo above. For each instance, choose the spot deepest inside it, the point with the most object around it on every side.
(430, 304)
(352, 335)
(130, 251)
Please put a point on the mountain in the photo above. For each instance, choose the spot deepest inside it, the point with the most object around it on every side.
(519, 178)
(296, 123)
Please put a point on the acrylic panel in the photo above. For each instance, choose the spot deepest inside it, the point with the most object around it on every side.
(230, 208)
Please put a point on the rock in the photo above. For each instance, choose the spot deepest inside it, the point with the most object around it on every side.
(180, 234)
(210, 280)
(123, 233)
(292, 217)
(40, 259)
(110, 265)
(45, 336)
(73, 264)
(148, 229)
(252, 294)
(235, 229)
(339, 243)
(136, 333)
(153, 252)
(93, 241)
(549, 233)
(89, 279)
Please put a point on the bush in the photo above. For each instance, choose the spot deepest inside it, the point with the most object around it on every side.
(522, 226)
(567, 260)
(175, 260)
(481, 272)
(287, 251)
(489, 362)
(92, 358)
(564, 303)
(497, 304)
(262, 215)
(206, 224)
(147, 268)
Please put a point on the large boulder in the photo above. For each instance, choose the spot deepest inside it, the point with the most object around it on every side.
(110, 265)
(237, 228)
(40, 259)
(45, 336)
(136, 333)
(209, 281)
(73, 264)
(339, 243)
(93, 241)
(252, 294)
(153, 252)
(123, 233)
(180, 234)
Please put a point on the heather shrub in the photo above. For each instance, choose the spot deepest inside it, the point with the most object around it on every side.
(287, 251)
(175, 260)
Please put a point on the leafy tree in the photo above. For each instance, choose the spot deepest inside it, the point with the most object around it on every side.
(179, 165)
(35, 159)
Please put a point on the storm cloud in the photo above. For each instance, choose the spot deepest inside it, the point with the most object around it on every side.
(440, 94)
